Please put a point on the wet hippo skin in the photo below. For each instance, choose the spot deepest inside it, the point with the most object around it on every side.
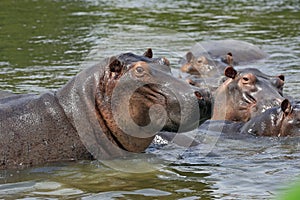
(113, 107)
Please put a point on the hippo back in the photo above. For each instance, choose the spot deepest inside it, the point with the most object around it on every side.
(242, 51)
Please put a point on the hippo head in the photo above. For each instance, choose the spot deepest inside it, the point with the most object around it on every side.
(137, 97)
(245, 94)
(203, 66)
(140, 101)
(279, 121)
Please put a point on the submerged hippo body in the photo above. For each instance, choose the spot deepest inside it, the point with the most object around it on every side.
(114, 107)
(245, 94)
(209, 59)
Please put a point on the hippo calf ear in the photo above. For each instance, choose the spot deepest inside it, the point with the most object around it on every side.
(286, 106)
(148, 53)
(189, 56)
(115, 65)
(230, 72)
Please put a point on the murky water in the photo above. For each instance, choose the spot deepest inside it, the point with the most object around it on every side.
(45, 43)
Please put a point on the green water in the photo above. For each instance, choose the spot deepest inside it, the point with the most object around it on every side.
(44, 43)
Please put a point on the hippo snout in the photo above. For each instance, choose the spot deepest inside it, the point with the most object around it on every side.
(188, 109)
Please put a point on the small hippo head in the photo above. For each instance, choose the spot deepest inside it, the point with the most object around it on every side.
(245, 94)
(203, 66)
(137, 97)
(291, 118)
(283, 120)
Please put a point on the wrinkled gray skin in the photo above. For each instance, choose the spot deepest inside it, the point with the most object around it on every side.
(77, 121)
(279, 121)
(245, 94)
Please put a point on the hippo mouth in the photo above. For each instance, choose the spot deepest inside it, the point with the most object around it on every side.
(248, 98)
(155, 96)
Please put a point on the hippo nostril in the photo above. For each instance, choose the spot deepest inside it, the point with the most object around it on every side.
(198, 95)
(246, 79)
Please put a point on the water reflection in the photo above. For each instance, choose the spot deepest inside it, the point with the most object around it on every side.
(93, 181)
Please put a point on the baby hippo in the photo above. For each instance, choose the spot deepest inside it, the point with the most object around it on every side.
(283, 120)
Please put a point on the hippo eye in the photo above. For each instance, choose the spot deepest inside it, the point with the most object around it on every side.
(199, 61)
(139, 70)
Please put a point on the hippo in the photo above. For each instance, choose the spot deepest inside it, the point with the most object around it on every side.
(210, 58)
(283, 120)
(245, 94)
(108, 110)
(205, 67)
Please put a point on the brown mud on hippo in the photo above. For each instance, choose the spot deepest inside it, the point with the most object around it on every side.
(245, 94)
(107, 110)
(209, 59)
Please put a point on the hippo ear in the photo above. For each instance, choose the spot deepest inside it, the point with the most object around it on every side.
(286, 106)
(229, 59)
(281, 77)
(115, 65)
(189, 56)
(230, 72)
(148, 53)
